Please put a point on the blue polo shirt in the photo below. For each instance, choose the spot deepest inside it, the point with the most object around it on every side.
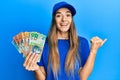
(63, 47)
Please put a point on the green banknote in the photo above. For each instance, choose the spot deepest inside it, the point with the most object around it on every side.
(36, 42)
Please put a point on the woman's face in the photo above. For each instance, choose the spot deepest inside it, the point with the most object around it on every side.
(63, 19)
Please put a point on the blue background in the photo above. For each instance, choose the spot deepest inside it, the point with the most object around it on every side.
(94, 18)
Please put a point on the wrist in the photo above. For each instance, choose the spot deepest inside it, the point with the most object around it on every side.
(93, 50)
(37, 70)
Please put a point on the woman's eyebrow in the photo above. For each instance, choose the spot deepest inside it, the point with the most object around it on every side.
(68, 11)
(58, 12)
(61, 12)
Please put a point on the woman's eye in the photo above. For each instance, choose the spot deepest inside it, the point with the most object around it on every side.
(68, 15)
(57, 15)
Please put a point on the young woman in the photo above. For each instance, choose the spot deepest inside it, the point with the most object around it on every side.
(66, 56)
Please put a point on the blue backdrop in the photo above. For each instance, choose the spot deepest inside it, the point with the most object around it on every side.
(94, 17)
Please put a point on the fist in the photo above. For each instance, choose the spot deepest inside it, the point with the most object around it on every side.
(97, 42)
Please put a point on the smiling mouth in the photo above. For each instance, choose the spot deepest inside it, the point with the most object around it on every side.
(63, 24)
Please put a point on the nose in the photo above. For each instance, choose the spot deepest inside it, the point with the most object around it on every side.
(63, 18)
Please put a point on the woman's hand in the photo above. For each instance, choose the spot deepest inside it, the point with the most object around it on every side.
(30, 62)
(96, 43)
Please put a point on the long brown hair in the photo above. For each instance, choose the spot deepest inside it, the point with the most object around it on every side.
(54, 58)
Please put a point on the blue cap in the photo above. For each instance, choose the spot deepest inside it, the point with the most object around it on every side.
(64, 5)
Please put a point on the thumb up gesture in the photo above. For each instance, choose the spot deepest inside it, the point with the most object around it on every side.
(97, 42)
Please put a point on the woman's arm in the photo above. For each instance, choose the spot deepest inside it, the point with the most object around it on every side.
(40, 73)
(30, 64)
(84, 72)
(87, 69)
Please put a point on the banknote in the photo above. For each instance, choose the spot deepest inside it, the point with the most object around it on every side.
(36, 42)
(26, 42)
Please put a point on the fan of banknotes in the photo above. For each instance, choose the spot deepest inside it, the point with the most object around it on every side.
(26, 42)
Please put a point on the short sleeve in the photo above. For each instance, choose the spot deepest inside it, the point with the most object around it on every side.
(84, 50)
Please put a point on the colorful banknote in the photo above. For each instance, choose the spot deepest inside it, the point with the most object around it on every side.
(26, 42)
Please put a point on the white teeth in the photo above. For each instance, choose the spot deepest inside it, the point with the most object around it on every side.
(63, 24)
